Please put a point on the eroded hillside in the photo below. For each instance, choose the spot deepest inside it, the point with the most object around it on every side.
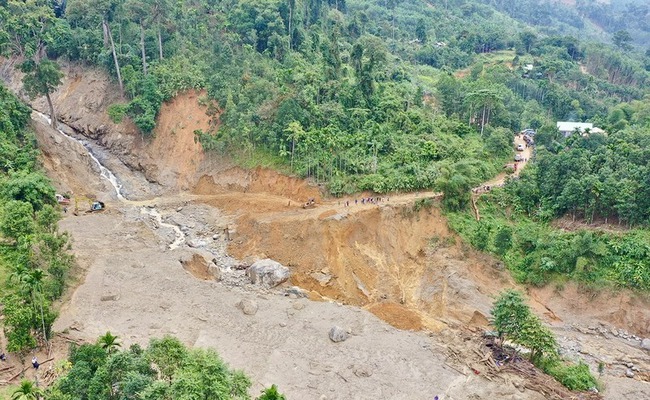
(394, 259)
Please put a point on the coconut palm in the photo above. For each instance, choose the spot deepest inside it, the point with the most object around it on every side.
(108, 342)
(27, 391)
(33, 282)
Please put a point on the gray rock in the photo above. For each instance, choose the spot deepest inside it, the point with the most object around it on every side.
(216, 272)
(322, 278)
(268, 273)
(629, 373)
(196, 243)
(338, 334)
(645, 344)
(248, 306)
(215, 237)
(362, 371)
(295, 290)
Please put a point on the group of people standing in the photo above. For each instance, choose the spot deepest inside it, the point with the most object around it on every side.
(366, 200)
(35, 363)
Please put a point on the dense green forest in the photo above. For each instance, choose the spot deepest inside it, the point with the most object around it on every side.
(383, 95)
(33, 258)
(379, 95)
(364, 95)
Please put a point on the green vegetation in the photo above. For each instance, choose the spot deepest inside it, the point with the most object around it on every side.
(515, 322)
(166, 369)
(33, 254)
(27, 391)
(359, 94)
(587, 178)
(365, 95)
(536, 253)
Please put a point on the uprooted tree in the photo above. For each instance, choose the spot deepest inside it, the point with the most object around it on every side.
(515, 322)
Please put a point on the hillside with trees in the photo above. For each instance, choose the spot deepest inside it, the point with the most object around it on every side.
(33, 255)
(377, 96)
(360, 96)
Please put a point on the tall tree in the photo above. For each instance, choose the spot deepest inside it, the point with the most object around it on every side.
(90, 14)
(41, 79)
(28, 26)
(622, 40)
(486, 100)
(159, 11)
(33, 281)
(421, 31)
(140, 13)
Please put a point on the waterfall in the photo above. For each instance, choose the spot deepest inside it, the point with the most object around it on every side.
(105, 172)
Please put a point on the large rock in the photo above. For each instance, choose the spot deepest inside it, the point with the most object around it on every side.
(337, 334)
(645, 344)
(268, 273)
(248, 306)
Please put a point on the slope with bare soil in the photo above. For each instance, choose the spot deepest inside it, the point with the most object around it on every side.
(401, 264)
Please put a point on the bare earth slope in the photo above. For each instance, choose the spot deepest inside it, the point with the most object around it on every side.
(386, 260)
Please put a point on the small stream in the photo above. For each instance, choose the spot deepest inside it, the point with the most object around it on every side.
(112, 179)
(105, 172)
(180, 237)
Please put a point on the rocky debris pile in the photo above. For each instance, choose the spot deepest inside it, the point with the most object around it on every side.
(626, 355)
(268, 273)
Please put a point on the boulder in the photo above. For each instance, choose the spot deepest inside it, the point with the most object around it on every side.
(645, 344)
(268, 273)
(337, 334)
(248, 306)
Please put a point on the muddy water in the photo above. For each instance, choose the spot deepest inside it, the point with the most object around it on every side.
(180, 236)
(108, 175)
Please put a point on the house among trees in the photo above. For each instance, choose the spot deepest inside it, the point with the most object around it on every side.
(568, 128)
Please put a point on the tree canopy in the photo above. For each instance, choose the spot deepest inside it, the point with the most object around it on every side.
(166, 369)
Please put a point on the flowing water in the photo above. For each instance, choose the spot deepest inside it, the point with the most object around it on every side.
(105, 172)
(180, 237)
(112, 179)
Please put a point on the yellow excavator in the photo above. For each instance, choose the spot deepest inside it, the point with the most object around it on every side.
(93, 205)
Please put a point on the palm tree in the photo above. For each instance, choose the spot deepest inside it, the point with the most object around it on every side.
(18, 274)
(108, 342)
(33, 282)
(27, 391)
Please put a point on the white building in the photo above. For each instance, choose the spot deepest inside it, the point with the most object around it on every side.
(567, 128)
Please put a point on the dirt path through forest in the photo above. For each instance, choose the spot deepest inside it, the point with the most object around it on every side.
(389, 259)
(500, 179)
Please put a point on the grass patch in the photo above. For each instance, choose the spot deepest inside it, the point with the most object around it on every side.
(251, 159)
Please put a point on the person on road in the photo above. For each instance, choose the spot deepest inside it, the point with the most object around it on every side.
(35, 363)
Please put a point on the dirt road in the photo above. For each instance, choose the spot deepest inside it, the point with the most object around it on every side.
(500, 179)
(386, 260)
